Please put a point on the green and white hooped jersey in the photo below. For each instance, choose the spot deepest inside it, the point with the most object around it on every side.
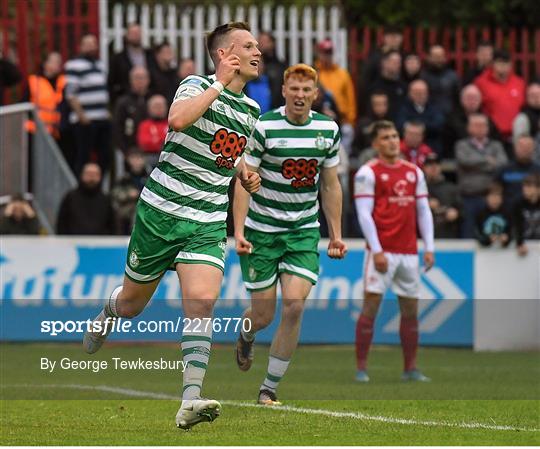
(196, 164)
(289, 158)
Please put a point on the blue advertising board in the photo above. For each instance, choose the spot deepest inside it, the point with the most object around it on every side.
(46, 279)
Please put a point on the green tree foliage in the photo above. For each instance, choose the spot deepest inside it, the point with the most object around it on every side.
(505, 13)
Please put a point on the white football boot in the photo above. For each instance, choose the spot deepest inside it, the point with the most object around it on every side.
(194, 411)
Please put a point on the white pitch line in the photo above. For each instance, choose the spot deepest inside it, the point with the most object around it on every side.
(287, 408)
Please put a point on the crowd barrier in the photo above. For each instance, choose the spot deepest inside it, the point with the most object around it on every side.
(57, 278)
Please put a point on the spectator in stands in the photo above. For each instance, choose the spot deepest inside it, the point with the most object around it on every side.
(163, 72)
(86, 92)
(377, 110)
(18, 218)
(260, 89)
(126, 191)
(493, 224)
(325, 104)
(412, 67)
(86, 210)
(186, 68)
(152, 131)
(526, 213)
(390, 82)
(392, 41)
(418, 108)
(444, 200)
(412, 146)
(470, 102)
(45, 90)
(478, 157)
(443, 82)
(133, 55)
(274, 67)
(528, 120)
(484, 58)
(512, 174)
(130, 109)
(338, 82)
(10, 74)
(503, 93)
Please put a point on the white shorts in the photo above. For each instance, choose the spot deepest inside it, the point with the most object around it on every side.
(403, 275)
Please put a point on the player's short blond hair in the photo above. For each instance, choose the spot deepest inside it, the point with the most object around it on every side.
(301, 71)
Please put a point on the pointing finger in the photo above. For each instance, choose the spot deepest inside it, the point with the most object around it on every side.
(228, 51)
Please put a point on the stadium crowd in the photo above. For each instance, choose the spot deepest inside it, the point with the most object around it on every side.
(476, 136)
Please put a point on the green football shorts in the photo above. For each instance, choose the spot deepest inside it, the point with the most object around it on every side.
(159, 241)
(292, 252)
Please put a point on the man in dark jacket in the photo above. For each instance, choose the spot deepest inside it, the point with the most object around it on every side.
(274, 67)
(130, 109)
(389, 81)
(418, 108)
(512, 174)
(163, 73)
(526, 213)
(132, 55)
(442, 81)
(86, 210)
(470, 102)
(392, 41)
(444, 200)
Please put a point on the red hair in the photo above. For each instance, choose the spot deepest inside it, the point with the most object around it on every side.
(301, 71)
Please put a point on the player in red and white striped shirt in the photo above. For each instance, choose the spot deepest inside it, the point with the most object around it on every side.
(391, 198)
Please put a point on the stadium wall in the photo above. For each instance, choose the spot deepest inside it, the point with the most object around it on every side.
(59, 278)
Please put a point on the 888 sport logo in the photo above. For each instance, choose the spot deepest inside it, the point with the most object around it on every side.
(229, 146)
(301, 171)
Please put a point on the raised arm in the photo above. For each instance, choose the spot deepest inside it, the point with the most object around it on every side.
(192, 101)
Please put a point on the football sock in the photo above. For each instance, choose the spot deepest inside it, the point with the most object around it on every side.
(276, 370)
(408, 332)
(110, 307)
(364, 335)
(196, 352)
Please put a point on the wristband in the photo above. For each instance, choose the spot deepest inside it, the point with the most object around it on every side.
(218, 86)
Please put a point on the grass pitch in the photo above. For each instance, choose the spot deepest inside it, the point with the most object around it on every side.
(474, 399)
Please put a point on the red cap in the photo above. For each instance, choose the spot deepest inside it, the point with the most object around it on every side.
(325, 46)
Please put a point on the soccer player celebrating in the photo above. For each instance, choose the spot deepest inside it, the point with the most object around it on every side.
(391, 197)
(180, 221)
(277, 230)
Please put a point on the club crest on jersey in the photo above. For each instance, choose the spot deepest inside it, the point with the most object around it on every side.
(252, 274)
(410, 176)
(222, 246)
(320, 142)
(134, 260)
(251, 121)
(400, 187)
(401, 197)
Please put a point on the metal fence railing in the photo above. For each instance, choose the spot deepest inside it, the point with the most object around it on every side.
(14, 148)
(50, 176)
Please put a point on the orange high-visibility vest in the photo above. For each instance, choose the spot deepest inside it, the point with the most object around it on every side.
(46, 99)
